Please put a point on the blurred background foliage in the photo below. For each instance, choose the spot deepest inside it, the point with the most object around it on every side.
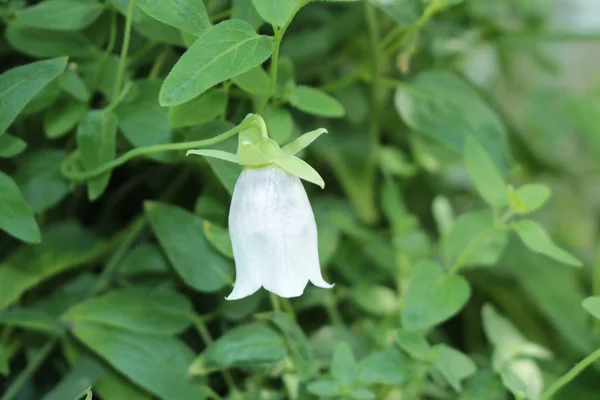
(448, 122)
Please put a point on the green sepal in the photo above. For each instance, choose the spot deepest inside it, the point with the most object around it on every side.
(256, 149)
(303, 141)
(221, 155)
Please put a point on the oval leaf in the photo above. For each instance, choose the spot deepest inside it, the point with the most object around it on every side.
(537, 239)
(20, 85)
(16, 217)
(60, 15)
(432, 296)
(181, 235)
(187, 15)
(220, 53)
(316, 102)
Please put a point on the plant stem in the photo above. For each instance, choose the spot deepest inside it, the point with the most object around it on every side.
(596, 286)
(28, 372)
(569, 376)
(124, 49)
(113, 263)
(275, 302)
(207, 338)
(77, 176)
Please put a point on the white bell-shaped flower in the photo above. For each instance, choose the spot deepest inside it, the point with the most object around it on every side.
(273, 234)
(271, 223)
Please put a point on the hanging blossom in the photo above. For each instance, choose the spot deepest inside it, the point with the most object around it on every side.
(271, 223)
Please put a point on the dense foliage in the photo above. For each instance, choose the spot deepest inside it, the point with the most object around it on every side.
(458, 221)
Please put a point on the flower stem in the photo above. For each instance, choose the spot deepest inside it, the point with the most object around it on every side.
(67, 168)
(124, 49)
(569, 376)
(28, 372)
(278, 35)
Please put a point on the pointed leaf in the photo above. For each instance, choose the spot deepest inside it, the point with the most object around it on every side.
(96, 141)
(303, 141)
(483, 172)
(18, 86)
(220, 53)
(592, 305)
(141, 310)
(60, 15)
(276, 12)
(453, 365)
(181, 235)
(414, 344)
(221, 155)
(343, 365)
(187, 15)
(532, 196)
(316, 102)
(537, 239)
(16, 217)
(251, 344)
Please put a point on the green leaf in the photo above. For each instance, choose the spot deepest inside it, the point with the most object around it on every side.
(203, 108)
(43, 43)
(18, 86)
(85, 372)
(156, 363)
(432, 296)
(40, 180)
(32, 320)
(325, 388)
(531, 197)
(60, 15)
(361, 394)
(16, 217)
(453, 365)
(220, 53)
(279, 124)
(303, 141)
(145, 258)
(374, 299)
(299, 348)
(507, 340)
(443, 107)
(537, 240)
(343, 365)
(473, 240)
(187, 15)
(143, 121)
(254, 81)
(276, 12)
(72, 83)
(251, 344)
(181, 235)
(219, 238)
(405, 13)
(62, 117)
(592, 305)
(96, 141)
(147, 311)
(244, 10)
(414, 344)
(65, 246)
(11, 146)
(387, 367)
(483, 172)
(484, 385)
(316, 102)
